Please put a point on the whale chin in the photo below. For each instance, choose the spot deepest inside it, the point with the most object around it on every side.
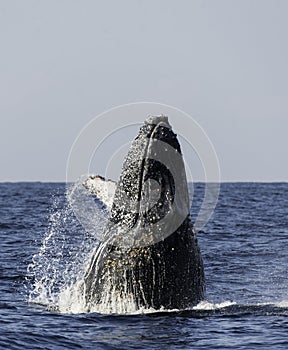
(150, 255)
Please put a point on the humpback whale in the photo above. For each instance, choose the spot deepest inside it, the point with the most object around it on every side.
(149, 254)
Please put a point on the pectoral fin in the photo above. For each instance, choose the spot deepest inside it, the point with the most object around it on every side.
(103, 189)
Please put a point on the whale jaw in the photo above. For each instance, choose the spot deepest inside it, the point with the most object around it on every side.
(140, 259)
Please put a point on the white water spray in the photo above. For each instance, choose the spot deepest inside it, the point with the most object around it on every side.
(58, 268)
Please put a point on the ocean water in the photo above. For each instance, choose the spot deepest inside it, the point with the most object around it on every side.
(44, 249)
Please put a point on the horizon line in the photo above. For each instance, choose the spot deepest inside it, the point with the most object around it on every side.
(197, 181)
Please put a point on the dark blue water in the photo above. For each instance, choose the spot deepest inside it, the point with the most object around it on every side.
(244, 247)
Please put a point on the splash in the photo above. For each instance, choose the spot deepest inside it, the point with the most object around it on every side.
(56, 271)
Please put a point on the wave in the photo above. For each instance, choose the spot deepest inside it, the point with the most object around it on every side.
(225, 309)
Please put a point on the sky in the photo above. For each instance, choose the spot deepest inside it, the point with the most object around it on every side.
(223, 62)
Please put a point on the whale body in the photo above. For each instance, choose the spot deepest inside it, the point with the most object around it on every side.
(149, 254)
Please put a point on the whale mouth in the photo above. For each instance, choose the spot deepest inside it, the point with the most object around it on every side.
(152, 185)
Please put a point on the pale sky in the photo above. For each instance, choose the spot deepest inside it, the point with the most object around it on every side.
(225, 63)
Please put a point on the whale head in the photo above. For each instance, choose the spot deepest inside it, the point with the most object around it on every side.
(151, 199)
(149, 254)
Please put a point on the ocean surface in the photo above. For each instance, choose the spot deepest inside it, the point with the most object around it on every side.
(44, 249)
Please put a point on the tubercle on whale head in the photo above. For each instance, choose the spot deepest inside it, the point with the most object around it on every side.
(157, 120)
